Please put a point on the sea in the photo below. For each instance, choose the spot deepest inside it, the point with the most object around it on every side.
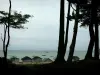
(43, 54)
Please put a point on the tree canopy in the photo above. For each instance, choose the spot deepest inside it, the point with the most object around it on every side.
(16, 19)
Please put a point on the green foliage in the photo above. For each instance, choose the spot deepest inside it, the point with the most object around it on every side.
(4, 13)
(78, 1)
(85, 15)
(16, 19)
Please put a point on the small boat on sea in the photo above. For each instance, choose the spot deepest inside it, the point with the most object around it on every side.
(43, 55)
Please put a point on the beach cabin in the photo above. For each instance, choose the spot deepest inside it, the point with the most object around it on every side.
(47, 60)
(36, 59)
(75, 58)
(26, 60)
(14, 59)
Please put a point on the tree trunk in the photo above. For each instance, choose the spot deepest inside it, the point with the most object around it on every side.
(67, 28)
(4, 46)
(91, 43)
(5, 28)
(8, 40)
(72, 46)
(61, 52)
(92, 38)
(96, 54)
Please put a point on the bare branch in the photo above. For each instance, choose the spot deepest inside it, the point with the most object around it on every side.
(73, 8)
(6, 24)
(1, 37)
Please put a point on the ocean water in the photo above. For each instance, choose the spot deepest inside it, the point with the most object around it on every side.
(43, 54)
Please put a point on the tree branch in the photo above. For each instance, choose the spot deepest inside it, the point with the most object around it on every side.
(73, 8)
(2, 38)
(6, 24)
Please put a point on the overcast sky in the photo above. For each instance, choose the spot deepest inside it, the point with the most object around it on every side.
(43, 28)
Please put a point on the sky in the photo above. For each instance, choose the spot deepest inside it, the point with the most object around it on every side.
(43, 28)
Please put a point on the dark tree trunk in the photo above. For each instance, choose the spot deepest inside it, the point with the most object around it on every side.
(61, 52)
(8, 40)
(4, 46)
(96, 54)
(92, 38)
(72, 46)
(91, 43)
(5, 29)
(67, 28)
